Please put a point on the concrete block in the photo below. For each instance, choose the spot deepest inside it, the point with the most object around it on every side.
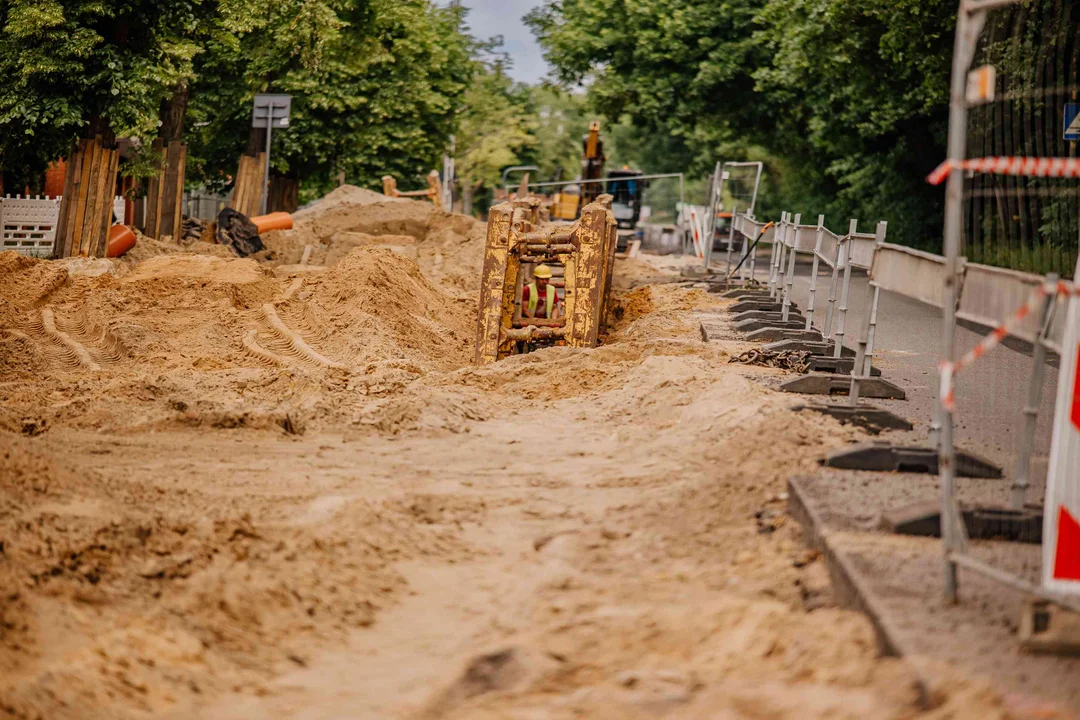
(873, 420)
(883, 457)
(839, 366)
(751, 325)
(1048, 628)
(790, 331)
(826, 384)
(817, 348)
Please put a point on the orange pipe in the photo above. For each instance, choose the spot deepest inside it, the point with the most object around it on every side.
(273, 221)
(121, 239)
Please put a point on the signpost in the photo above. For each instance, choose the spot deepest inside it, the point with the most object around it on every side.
(1072, 121)
(269, 111)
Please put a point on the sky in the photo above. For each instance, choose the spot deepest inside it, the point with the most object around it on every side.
(503, 17)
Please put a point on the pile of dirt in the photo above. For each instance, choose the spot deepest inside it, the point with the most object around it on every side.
(24, 283)
(204, 340)
(448, 247)
(376, 305)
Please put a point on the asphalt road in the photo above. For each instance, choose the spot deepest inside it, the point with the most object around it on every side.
(908, 346)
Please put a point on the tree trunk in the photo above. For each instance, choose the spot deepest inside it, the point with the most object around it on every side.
(164, 206)
(466, 197)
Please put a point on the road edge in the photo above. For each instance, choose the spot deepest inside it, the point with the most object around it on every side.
(850, 589)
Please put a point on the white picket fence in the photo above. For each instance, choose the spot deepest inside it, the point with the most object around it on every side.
(28, 224)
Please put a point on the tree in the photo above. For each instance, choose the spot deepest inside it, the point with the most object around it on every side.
(496, 129)
(562, 119)
(845, 100)
(376, 86)
(82, 67)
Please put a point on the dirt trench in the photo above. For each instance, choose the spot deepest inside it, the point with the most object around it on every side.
(250, 488)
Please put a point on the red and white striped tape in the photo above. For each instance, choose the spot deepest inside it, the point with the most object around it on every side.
(1030, 166)
(991, 341)
(698, 247)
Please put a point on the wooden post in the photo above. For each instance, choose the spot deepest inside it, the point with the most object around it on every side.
(584, 324)
(62, 247)
(154, 190)
(247, 187)
(492, 285)
(172, 190)
(389, 188)
(86, 208)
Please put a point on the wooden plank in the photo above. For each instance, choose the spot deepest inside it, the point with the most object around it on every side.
(108, 193)
(178, 198)
(169, 205)
(71, 207)
(96, 207)
(152, 225)
(255, 201)
(84, 190)
(62, 246)
(238, 184)
(92, 219)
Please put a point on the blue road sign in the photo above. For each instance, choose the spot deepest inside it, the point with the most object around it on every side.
(1072, 121)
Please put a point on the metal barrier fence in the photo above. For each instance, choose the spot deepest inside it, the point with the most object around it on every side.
(1011, 191)
(204, 205)
(730, 189)
(1030, 308)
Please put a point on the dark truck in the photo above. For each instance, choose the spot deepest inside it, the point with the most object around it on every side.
(626, 191)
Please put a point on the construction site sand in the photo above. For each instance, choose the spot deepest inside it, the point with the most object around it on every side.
(231, 494)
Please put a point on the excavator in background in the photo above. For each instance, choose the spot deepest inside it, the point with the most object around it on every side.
(566, 203)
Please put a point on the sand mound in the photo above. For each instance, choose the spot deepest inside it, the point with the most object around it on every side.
(224, 343)
(448, 247)
(344, 195)
(25, 282)
(376, 305)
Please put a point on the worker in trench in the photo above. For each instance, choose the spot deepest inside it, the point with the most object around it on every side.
(540, 300)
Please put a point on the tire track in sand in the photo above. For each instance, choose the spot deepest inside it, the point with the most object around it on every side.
(66, 348)
(281, 343)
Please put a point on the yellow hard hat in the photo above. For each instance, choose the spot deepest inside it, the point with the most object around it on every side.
(542, 271)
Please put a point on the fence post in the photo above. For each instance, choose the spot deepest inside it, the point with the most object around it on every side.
(830, 312)
(731, 238)
(864, 356)
(791, 268)
(969, 24)
(882, 227)
(778, 233)
(841, 320)
(814, 273)
(1035, 387)
(752, 270)
(781, 261)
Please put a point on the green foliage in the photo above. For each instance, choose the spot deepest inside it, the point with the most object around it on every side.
(377, 85)
(73, 65)
(376, 88)
(844, 100)
(562, 119)
(495, 129)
